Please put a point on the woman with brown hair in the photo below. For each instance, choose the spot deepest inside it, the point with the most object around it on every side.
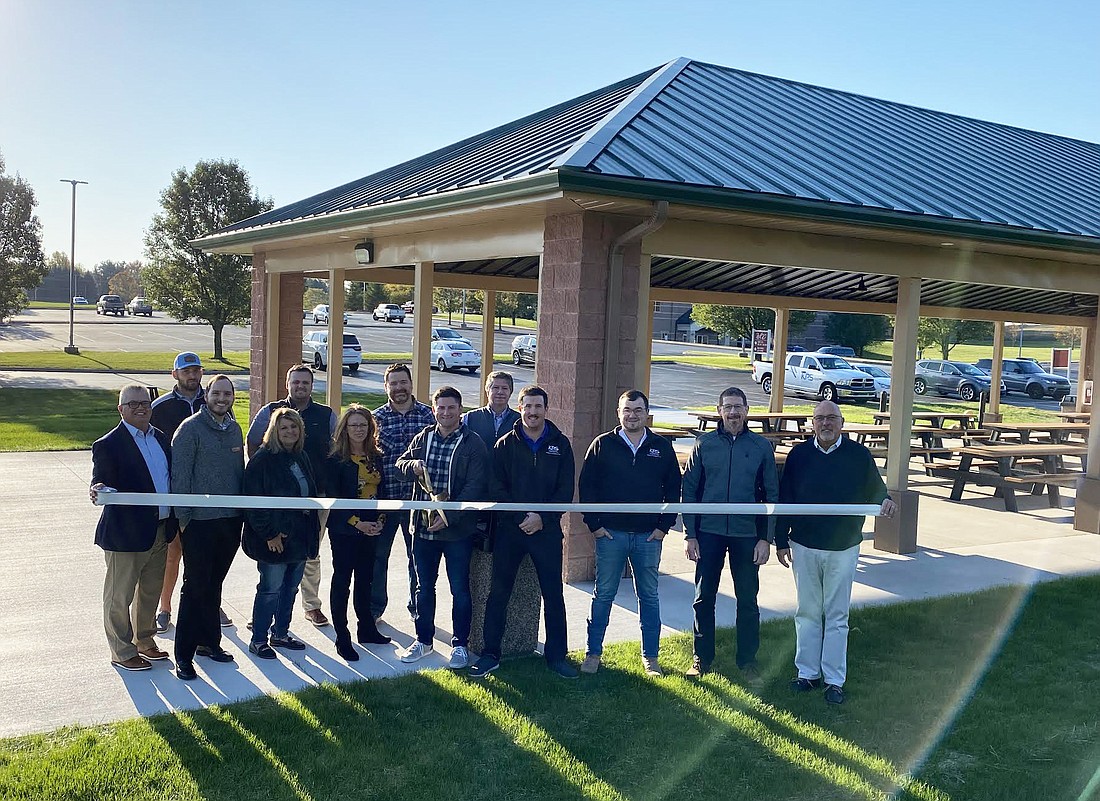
(280, 540)
(355, 471)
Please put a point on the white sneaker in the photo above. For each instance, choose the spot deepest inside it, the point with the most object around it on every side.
(460, 658)
(416, 652)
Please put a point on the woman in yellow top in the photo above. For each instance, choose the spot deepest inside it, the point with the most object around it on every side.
(355, 471)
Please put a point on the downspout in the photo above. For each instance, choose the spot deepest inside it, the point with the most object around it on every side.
(614, 308)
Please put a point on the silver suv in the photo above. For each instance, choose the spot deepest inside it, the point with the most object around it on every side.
(1024, 375)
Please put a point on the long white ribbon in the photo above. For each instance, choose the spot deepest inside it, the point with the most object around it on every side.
(111, 498)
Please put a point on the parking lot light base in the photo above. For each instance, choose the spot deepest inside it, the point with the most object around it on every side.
(72, 350)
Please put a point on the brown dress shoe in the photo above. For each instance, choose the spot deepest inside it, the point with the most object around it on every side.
(317, 618)
(133, 663)
(153, 654)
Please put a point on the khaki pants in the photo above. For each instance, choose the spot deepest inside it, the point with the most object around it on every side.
(311, 579)
(131, 591)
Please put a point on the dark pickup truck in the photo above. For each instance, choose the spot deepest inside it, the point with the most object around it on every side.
(110, 304)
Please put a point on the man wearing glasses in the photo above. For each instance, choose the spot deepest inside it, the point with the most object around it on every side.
(824, 550)
(132, 458)
(730, 465)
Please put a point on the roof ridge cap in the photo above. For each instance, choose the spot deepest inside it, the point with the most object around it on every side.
(585, 150)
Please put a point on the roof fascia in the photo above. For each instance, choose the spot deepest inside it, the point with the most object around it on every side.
(571, 179)
(585, 150)
(517, 189)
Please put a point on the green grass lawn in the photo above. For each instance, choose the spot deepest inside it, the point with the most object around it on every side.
(864, 413)
(986, 696)
(72, 419)
(969, 353)
(57, 304)
(234, 361)
(728, 362)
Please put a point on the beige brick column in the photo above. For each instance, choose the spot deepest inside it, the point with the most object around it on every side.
(573, 306)
(276, 339)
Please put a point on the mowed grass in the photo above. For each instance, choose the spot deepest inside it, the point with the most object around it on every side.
(985, 696)
(72, 419)
(125, 361)
(970, 353)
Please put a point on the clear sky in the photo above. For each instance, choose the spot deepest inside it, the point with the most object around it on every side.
(309, 95)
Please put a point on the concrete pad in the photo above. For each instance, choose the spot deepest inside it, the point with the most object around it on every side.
(57, 671)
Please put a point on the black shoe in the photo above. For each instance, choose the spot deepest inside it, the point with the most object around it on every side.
(185, 671)
(346, 651)
(801, 685)
(834, 694)
(751, 672)
(563, 669)
(288, 642)
(698, 668)
(484, 666)
(261, 649)
(372, 638)
(215, 654)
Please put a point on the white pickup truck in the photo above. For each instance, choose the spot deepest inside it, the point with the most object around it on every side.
(820, 375)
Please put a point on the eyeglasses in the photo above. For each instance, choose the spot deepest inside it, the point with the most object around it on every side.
(826, 418)
(358, 425)
(135, 405)
(732, 407)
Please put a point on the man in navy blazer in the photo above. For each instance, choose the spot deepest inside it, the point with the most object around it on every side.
(493, 421)
(134, 457)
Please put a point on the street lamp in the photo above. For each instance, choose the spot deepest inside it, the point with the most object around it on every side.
(71, 348)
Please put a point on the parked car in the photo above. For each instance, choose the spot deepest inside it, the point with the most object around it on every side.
(838, 350)
(523, 349)
(795, 349)
(80, 300)
(1025, 375)
(819, 375)
(320, 314)
(882, 379)
(139, 305)
(958, 378)
(448, 355)
(110, 304)
(315, 350)
(390, 312)
(442, 333)
(407, 307)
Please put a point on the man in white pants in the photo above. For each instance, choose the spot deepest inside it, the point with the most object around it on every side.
(824, 550)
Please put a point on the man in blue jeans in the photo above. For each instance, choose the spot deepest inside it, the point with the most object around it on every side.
(449, 463)
(730, 465)
(630, 464)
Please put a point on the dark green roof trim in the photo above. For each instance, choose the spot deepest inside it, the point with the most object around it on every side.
(571, 179)
(444, 201)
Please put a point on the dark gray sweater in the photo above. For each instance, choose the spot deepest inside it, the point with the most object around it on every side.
(207, 458)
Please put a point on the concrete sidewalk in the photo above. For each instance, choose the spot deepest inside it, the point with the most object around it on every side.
(57, 671)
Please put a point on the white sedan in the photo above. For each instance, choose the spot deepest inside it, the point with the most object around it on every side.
(449, 355)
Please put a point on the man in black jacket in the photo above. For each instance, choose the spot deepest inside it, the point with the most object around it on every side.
(532, 463)
(320, 423)
(134, 457)
(824, 550)
(630, 464)
(449, 463)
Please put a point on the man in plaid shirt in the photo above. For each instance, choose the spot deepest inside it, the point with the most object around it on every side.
(449, 462)
(399, 420)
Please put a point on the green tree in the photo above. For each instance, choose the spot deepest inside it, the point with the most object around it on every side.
(740, 321)
(22, 262)
(857, 331)
(190, 284)
(127, 281)
(946, 334)
(449, 300)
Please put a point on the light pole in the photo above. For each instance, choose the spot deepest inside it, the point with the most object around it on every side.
(71, 348)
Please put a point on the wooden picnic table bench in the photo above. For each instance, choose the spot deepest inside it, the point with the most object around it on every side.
(1007, 472)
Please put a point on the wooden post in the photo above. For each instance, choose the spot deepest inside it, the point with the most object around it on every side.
(643, 356)
(996, 368)
(488, 339)
(1086, 514)
(423, 290)
(334, 390)
(779, 359)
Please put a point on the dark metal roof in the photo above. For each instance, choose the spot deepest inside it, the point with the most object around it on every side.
(524, 147)
(806, 283)
(744, 137)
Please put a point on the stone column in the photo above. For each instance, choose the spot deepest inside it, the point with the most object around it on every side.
(573, 305)
(899, 534)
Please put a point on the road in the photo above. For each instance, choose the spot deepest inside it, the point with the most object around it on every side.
(672, 385)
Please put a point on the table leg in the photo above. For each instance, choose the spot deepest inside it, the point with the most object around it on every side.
(1004, 467)
(1054, 498)
(960, 476)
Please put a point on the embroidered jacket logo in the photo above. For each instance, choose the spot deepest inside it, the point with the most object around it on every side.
(553, 450)
(654, 452)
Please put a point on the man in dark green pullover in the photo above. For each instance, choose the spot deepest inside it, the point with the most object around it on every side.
(824, 550)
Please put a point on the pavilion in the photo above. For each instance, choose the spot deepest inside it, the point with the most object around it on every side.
(700, 183)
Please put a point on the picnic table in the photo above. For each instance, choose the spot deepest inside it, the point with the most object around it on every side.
(1057, 431)
(1007, 475)
(768, 421)
(935, 419)
(1075, 417)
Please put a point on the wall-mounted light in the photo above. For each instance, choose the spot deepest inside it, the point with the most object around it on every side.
(364, 252)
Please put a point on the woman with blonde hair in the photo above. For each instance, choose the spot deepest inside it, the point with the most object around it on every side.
(355, 471)
(280, 540)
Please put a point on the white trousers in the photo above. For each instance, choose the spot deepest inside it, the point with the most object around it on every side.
(823, 580)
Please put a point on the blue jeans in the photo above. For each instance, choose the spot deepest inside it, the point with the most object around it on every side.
(611, 556)
(457, 554)
(275, 598)
(380, 584)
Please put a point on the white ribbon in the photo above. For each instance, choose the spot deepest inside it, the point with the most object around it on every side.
(107, 497)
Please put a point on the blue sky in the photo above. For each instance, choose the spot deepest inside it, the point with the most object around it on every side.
(307, 96)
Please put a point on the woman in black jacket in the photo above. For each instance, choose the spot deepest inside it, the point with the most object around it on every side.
(355, 471)
(280, 540)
